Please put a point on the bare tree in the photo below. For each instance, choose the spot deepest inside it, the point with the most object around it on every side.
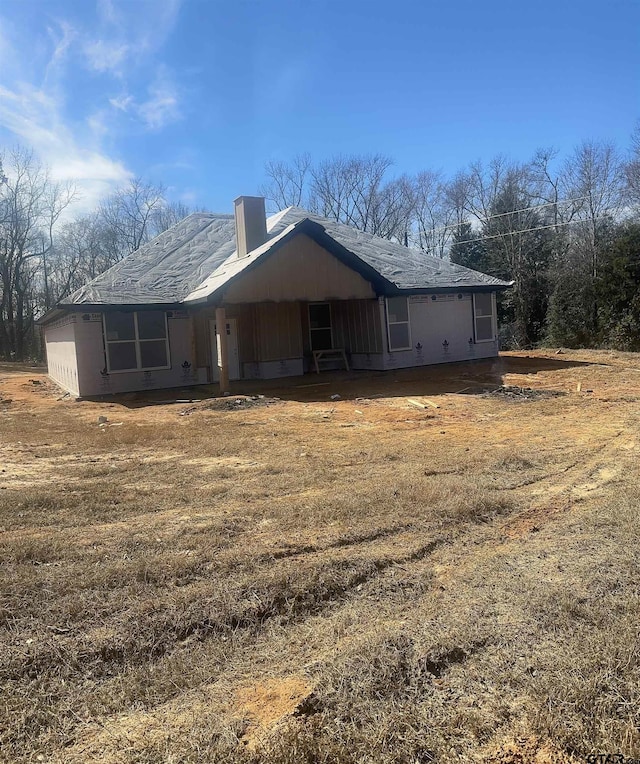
(287, 183)
(167, 215)
(435, 215)
(391, 216)
(593, 178)
(128, 213)
(348, 189)
(30, 206)
(82, 251)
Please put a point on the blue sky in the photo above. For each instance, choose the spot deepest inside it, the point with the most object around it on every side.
(199, 94)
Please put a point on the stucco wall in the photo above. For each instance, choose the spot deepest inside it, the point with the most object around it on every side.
(60, 343)
(92, 376)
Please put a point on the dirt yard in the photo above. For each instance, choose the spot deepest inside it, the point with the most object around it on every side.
(437, 565)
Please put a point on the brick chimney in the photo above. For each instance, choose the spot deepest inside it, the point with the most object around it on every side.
(251, 224)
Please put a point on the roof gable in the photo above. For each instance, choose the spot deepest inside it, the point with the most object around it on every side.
(192, 262)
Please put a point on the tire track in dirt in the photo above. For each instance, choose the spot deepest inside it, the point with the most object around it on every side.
(337, 580)
(161, 720)
(552, 497)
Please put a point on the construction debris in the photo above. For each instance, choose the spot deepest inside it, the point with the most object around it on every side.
(232, 403)
(422, 405)
(522, 393)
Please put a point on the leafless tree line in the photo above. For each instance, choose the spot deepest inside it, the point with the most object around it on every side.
(45, 254)
(425, 210)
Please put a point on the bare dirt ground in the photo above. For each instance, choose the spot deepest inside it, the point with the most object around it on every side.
(437, 565)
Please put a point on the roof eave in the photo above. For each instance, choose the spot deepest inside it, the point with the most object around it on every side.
(501, 287)
(62, 309)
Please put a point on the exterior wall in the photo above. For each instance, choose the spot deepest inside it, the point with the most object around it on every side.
(278, 331)
(356, 326)
(441, 331)
(273, 338)
(94, 380)
(60, 343)
(301, 270)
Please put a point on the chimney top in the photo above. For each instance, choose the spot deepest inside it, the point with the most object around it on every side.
(251, 223)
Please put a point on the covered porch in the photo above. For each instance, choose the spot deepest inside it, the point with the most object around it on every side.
(270, 340)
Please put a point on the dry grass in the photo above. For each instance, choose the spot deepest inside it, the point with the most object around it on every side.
(320, 581)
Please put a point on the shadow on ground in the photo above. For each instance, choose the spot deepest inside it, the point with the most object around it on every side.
(422, 381)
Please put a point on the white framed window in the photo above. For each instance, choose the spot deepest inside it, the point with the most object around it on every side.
(483, 316)
(320, 331)
(136, 341)
(398, 328)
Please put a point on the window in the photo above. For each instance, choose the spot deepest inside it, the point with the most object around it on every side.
(136, 341)
(320, 326)
(483, 316)
(398, 323)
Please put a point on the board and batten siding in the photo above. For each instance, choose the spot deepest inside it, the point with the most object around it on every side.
(300, 271)
(266, 331)
(279, 331)
(356, 326)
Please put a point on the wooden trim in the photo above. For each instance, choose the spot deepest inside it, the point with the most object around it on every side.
(221, 332)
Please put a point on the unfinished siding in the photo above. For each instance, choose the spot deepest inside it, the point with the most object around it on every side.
(278, 341)
(269, 338)
(244, 316)
(301, 270)
(356, 326)
(62, 361)
(93, 379)
(442, 331)
(279, 331)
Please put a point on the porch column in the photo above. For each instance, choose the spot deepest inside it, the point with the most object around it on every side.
(194, 342)
(223, 365)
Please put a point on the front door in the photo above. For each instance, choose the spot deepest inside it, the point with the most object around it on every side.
(232, 345)
(320, 331)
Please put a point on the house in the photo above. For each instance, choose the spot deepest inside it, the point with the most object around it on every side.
(230, 297)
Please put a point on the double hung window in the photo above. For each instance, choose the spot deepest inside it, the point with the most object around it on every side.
(398, 329)
(483, 316)
(136, 341)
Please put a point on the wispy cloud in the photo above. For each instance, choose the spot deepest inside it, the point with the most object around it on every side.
(123, 102)
(103, 56)
(34, 117)
(128, 33)
(75, 137)
(160, 106)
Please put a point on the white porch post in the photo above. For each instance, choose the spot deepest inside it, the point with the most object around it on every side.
(223, 361)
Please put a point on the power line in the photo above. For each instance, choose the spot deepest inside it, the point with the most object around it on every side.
(515, 233)
(486, 219)
(528, 209)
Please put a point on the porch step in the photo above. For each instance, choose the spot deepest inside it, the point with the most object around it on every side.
(329, 356)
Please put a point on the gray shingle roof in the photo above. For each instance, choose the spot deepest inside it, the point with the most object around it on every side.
(195, 259)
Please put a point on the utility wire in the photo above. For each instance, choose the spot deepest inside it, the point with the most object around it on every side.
(486, 219)
(513, 233)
